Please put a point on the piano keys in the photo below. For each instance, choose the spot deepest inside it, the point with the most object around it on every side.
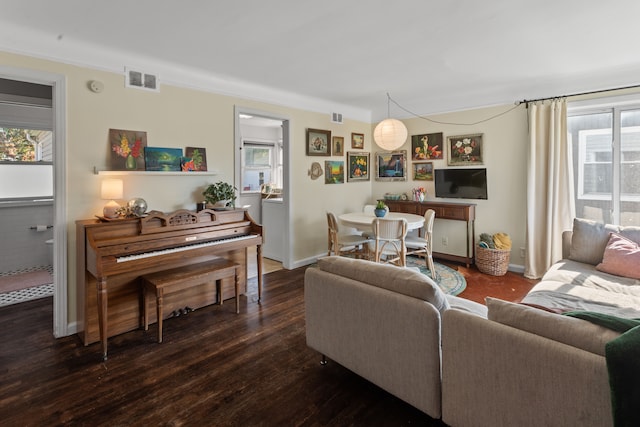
(111, 257)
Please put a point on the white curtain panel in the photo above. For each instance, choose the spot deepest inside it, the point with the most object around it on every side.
(550, 201)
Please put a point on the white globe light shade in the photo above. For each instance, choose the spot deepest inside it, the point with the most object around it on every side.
(390, 134)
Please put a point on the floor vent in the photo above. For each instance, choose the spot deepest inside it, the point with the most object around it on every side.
(141, 80)
(336, 118)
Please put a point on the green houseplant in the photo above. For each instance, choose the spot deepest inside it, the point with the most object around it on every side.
(220, 194)
(381, 209)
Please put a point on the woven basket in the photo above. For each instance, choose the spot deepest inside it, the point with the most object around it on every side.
(492, 261)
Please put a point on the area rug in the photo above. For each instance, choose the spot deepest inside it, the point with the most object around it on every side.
(449, 280)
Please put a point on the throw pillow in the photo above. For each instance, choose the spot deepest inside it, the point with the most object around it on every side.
(589, 240)
(621, 257)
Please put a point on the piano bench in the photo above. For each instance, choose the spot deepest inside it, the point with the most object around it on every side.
(180, 278)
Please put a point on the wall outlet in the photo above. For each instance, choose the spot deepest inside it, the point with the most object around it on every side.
(522, 253)
(445, 241)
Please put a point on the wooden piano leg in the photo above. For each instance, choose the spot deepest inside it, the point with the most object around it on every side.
(259, 256)
(102, 314)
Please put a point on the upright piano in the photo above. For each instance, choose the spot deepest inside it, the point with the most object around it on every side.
(112, 255)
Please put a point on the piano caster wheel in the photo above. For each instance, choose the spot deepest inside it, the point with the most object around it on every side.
(323, 361)
(104, 357)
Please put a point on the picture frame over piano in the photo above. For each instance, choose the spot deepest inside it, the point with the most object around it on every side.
(116, 254)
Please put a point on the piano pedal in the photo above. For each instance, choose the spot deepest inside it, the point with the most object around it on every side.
(181, 312)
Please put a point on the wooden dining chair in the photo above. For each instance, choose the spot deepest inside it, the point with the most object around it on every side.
(389, 245)
(344, 243)
(423, 246)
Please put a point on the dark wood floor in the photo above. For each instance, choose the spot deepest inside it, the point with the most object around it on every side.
(214, 368)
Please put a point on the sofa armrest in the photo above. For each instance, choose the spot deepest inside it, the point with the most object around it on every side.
(497, 375)
(391, 339)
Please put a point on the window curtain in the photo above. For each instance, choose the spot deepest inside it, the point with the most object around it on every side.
(550, 200)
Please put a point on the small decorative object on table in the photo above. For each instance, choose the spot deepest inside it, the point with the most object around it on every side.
(419, 194)
(381, 209)
(135, 208)
(220, 194)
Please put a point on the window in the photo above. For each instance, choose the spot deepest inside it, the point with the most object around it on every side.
(26, 168)
(25, 145)
(261, 164)
(606, 149)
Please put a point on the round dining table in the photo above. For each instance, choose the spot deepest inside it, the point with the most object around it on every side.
(364, 221)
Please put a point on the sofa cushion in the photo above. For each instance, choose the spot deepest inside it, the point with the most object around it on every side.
(463, 304)
(589, 240)
(568, 330)
(621, 257)
(397, 279)
(631, 232)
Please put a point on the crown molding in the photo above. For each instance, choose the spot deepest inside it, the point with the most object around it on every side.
(17, 40)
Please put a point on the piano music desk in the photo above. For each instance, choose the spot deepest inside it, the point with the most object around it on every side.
(181, 278)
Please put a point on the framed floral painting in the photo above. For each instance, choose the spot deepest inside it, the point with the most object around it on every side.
(334, 172)
(358, 166)
(127, 149)
(428, 146)
(391, 165)
(423, 171)
(195, 159)
(465, 150)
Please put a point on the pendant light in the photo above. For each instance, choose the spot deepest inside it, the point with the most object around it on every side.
(390, 134)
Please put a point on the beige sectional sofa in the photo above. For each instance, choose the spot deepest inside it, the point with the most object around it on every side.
(505, 364)
(381, 322)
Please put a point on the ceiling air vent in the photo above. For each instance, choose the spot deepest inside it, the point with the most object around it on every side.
(141, 80)
(336, 118)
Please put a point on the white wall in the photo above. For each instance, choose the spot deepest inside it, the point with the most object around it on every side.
(178, 117)
(504, 156)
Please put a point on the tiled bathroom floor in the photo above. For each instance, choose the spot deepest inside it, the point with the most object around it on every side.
(26, 294)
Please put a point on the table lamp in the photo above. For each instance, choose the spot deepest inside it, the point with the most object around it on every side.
(111, 190)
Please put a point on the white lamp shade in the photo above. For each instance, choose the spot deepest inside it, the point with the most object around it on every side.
(390, 134)
(112, 189)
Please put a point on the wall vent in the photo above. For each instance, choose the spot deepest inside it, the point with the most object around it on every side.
(336, 118)
(141, 80)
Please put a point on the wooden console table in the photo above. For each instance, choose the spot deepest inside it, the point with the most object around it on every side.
(455, 211)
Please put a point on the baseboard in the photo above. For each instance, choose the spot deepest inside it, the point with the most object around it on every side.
(516, 268)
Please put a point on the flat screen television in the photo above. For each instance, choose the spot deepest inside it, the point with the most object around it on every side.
(461, 183)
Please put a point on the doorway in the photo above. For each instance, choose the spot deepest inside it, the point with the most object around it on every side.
(23, 78)
(262, 176)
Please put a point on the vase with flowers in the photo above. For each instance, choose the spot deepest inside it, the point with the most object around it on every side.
(129, 152)
(419, 194)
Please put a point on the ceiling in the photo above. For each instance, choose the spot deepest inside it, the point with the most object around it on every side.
(342, 56)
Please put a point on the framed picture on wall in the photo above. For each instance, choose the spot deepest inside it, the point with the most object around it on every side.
(429, 146)
(358, 163)
(334, 172)
(127, 149)
(337, 146)
(391, 165)
(357, 140)
(423, 171)
(465, 150)
(318, 142)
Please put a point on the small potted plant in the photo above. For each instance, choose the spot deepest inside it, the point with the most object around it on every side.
(220, 194)
(381, 209)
